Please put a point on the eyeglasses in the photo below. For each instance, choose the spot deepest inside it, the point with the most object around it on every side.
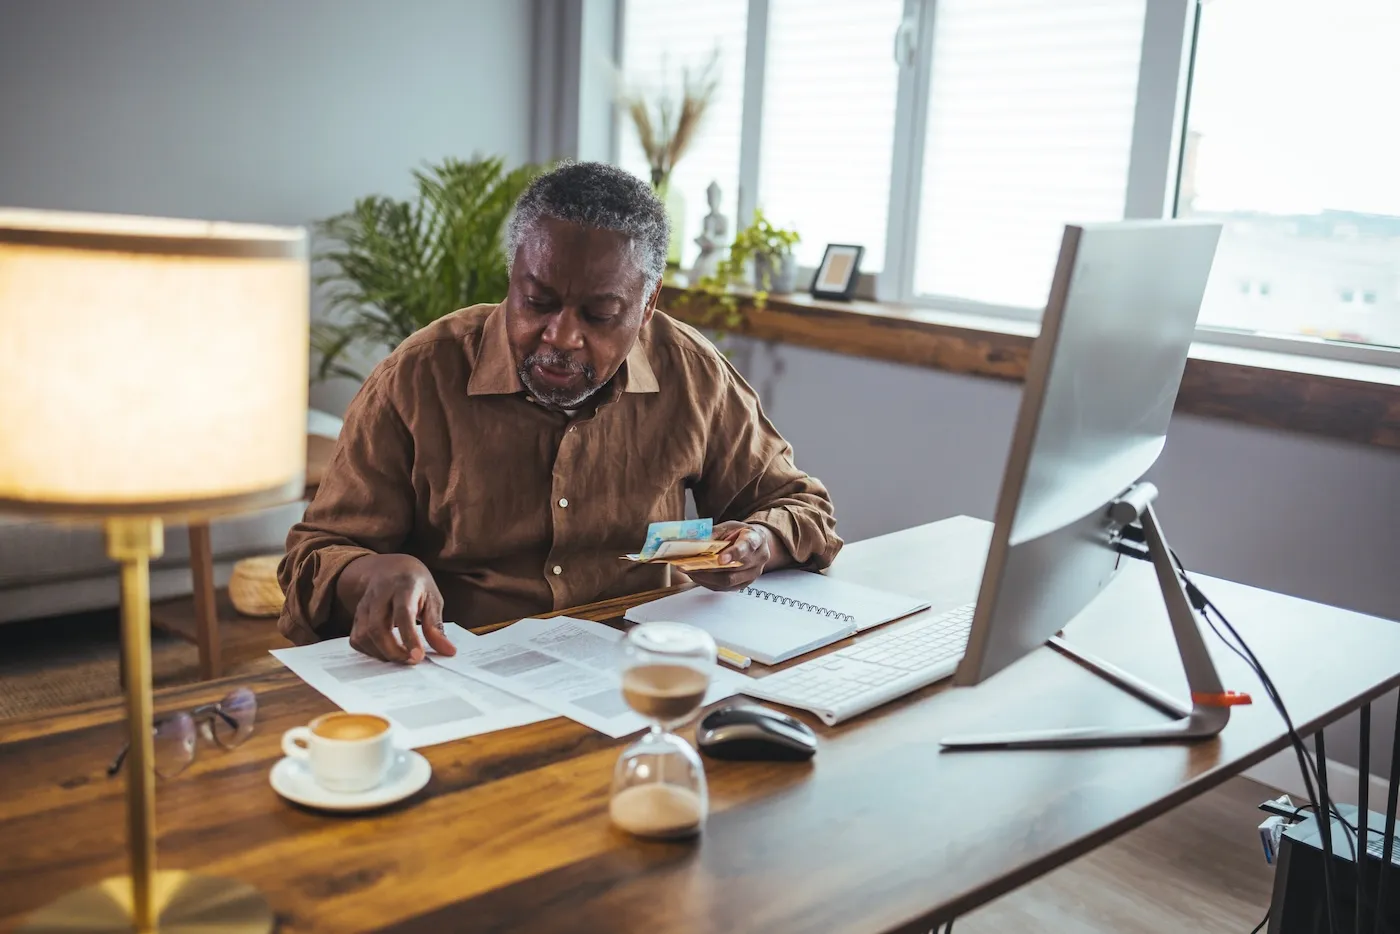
(228, 723)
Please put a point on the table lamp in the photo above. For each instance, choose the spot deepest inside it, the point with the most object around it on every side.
(150, 369)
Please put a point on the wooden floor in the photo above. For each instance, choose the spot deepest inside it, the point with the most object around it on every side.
(62, 661)
(1198, 869)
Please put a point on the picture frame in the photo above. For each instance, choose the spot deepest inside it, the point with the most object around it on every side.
(838, 272)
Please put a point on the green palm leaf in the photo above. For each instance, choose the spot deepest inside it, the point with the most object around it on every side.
(393, 267)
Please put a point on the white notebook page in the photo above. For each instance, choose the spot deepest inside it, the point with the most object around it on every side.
(781, 615)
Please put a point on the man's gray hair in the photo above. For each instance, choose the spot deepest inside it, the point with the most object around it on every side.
(602, 196)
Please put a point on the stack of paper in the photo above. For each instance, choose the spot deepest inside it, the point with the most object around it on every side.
(570, 666)
(429, 704)
(524, 673)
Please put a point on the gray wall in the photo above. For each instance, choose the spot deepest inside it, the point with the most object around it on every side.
(280, 111)
(901, 445)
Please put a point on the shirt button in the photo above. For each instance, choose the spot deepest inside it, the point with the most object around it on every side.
(563, 503)
(558, 570)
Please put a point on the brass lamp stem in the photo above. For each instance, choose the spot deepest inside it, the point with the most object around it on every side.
(134, 542)
(159, 901)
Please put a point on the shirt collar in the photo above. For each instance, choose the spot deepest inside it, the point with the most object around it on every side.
(493, 363)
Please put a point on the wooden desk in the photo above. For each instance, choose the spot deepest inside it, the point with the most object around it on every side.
(880, 832)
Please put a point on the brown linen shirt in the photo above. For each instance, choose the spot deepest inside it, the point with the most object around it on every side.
(518, 509)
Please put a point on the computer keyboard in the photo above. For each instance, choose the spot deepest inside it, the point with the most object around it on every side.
(875, 670)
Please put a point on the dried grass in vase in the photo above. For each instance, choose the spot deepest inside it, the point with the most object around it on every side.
(666, 126)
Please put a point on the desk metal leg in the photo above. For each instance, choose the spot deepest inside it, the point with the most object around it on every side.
(1387, 842)
(206, 614)
(1363, 814)
(1324, 825)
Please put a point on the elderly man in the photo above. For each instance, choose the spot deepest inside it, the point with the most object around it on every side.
(499, 462)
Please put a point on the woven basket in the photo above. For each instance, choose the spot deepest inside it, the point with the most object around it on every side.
(253, 587)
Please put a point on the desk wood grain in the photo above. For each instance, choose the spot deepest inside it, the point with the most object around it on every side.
(880, 833)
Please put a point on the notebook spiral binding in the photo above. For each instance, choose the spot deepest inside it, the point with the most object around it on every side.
(797, 604)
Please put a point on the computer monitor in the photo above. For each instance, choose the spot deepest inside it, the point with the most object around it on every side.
(1101, 383)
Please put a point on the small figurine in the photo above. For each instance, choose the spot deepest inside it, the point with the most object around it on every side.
(713, 239)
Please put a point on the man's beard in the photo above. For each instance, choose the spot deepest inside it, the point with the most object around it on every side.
(563, 398)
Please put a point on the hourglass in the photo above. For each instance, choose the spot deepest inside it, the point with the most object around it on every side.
(658, 787)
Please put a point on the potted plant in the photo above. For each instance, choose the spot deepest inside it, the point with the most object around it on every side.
(764, 247)
(393, 267)
(774, 265)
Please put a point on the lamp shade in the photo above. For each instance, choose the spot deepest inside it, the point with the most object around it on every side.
(150, 366)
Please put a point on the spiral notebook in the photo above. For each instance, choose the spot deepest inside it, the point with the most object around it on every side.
(781, 615)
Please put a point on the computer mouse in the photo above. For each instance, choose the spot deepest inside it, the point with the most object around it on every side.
(753, 733)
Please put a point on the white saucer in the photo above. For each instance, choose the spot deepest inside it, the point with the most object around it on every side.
(292, 780)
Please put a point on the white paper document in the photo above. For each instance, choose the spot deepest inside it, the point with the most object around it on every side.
(427, 703)
(569, 666)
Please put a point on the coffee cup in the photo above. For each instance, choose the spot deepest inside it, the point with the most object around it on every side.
(346, 752)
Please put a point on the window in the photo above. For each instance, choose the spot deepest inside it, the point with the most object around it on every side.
(954, 139)
(662, 38)
(1030, 125)
(1290, 144)
(829, 90)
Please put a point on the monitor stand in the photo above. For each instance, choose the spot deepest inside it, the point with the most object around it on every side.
(1210, 705)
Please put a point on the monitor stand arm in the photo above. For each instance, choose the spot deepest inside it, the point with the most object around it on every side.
(1209, 710)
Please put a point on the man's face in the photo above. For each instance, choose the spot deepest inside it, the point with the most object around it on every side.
(576, 303)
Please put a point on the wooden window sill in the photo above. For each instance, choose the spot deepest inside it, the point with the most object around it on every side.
(1355, 402)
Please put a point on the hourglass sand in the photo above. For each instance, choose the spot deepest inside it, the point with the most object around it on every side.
(658, 787)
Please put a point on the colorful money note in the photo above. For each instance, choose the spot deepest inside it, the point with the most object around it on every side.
(684, 530)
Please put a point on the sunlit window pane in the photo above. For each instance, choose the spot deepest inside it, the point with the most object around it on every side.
(1293, 141)
(1030, 127)
(830, 89)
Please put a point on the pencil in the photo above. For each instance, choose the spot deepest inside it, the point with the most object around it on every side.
(733, 658)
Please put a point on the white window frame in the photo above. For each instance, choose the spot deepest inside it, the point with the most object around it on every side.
(1159, 124)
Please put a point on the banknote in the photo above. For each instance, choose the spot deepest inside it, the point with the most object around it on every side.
(709, 562)
(684, 544)
(669, 551)
(695, 530)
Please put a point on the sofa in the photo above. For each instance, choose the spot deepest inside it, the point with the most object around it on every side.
(49, 569)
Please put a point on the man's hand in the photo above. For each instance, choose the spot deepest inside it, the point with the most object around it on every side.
(392, 592)
(752, 546)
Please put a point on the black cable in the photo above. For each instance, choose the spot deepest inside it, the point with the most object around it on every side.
(1322, 803)
(1205, 607)
(1340, 819)
(1305, 761)
(1260, 926)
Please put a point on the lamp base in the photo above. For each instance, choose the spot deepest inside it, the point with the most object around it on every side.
(185, 904)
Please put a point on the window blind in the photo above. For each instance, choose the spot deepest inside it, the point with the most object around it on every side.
(830, 86)
(1030, 125)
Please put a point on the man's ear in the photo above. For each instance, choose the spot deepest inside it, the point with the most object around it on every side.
(650, 308)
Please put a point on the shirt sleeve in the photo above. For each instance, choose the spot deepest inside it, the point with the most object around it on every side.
(750, 476)
(363, 506)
